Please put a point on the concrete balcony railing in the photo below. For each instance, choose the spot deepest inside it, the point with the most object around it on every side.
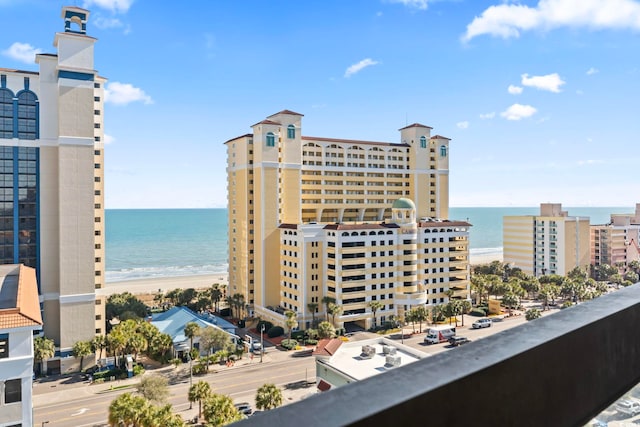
(559, 370)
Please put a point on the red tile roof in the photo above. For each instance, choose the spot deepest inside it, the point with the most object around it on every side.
(444, 223)
(268, 122)
(416, 125)
(440, 137)
(327, 347)
(352, 141)
(341, 226)
(292, 113)
(19, 302)
(323, 385)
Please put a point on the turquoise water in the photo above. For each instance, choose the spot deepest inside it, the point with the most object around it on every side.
(147, 243)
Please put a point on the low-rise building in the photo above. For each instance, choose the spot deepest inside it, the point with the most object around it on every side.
(339, 363)
(19, 318)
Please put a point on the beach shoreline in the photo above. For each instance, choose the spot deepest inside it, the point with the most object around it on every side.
(153, 285)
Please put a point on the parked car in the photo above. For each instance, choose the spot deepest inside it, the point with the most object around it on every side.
(456, 341)
(256, 347)
(243, 408)
(481, 323)
(628, 407)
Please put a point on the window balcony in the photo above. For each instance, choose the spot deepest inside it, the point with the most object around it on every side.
(562, 369)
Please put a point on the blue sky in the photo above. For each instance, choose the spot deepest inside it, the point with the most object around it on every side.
(540, 98)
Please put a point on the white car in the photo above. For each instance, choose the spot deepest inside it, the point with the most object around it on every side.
(256, 347)
(628, 407)
(481, 323)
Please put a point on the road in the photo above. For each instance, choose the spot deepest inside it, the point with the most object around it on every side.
(91, 409)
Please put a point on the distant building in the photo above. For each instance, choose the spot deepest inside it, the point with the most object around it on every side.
(616, 243)
(339, 363)
(357, 221)
(19, 318)
(174, 320)
(550, 243)
(52, 182)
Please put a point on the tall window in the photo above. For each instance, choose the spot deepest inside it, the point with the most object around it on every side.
(291, 131)
(27, 115)
(443, 151)
(13, 391)
(423, 142)
(271, 139)
(6, 114)
(4, 346)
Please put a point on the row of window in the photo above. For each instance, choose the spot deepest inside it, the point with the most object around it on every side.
(18, 115)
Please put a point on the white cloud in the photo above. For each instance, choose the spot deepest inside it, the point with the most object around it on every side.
(116, 6)
(591, 71)
(486, 116)
(104, 23)
(589, 162)
(22, 52)
(124, 93)
(509, 20)
(514, 90)
(550, 82)
(418, 4)
(462, 125)
(518, 111)
(355, 68)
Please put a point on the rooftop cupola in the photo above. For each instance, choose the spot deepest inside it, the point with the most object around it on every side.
(75, 19)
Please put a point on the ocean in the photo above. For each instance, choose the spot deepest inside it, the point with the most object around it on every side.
(148, 243)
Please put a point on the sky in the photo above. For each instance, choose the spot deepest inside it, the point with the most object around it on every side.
(541, 98)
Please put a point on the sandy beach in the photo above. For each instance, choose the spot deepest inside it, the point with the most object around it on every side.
(150, 286)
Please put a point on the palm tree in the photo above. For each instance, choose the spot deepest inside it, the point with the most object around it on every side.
(510, 300)
(326, 301)
(198, 392)
(191, 330)
(127, 409)
(81, 349)
(99, 343)
(421, 315)
(268, 397)
(410, 316)
(375, 306)
(43, 348)
(216, 296)
(116, 342)
(219, 410)
(334, 310)
(465, 308)
(232, 303)
(313, 306)
(326, 330)
(291, 321)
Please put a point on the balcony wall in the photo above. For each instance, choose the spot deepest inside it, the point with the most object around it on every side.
(559, 370)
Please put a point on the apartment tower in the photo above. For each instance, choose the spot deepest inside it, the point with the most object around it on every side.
(550, 243)
(617, 242)
(314, 217)
(52, 182)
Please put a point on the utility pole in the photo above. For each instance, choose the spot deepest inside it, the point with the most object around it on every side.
(261, 342)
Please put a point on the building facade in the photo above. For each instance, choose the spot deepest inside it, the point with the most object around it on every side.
(19, 318)
(52, 181)
(314, 217)
(549, 243)
(616, 243)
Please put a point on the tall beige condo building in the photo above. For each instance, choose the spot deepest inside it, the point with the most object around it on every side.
(356, 221)
(52, 182)
(617, 242)
(550, 243)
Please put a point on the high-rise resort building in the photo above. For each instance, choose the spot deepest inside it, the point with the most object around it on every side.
(356, 221)
(617, 242)
(52, 183)
(550, 243)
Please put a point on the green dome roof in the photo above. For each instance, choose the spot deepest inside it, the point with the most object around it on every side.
(403, 203)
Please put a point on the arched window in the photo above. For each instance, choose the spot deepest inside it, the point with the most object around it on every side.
(291, 131)
(443, 151)
(423, 142)
(271, 139)
(27, 115)
(6, 114)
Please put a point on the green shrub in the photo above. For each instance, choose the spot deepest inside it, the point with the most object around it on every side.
(566, 304)
(478, 312)
(199, 369)
(312, 342)
(138, 370)
(267, 325)
(532, 313)
(275, 331)
(298, 335)
(105, 375)
(98, 381)
(340, 332)
(289, 344)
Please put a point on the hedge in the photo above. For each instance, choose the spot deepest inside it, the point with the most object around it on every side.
(267, 325)
(275, 331)
(478, 312)
(289, 344)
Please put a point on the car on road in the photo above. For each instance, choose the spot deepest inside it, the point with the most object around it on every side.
(628, 407)
(481, 323)
(256, 347)
(243, 408)
(455, 341)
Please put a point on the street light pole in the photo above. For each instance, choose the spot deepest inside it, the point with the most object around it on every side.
(190, 377)
(261, 342)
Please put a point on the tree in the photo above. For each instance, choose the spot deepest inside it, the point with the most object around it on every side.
(159, 346)
(218, 410)
(313, 306)
(375, 306)
(43, 348)
(465, 308)
(334, 310)
(510, 300)
(531, 285)
(410, 316)
(326, 301)
(191, 330)
(199, 392)
(154, 388)
(216, 296)
(99, 343)
(125, 306)
(268, 397)
(127, 409)
(532, 313)
(290, 321)
(326, 330)
(81, 349)
(214, 339)
(631, 276)
(421, 315)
